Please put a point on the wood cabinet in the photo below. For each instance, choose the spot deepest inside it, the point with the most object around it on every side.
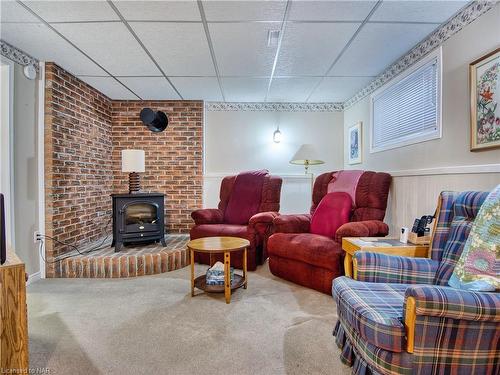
(13, 316)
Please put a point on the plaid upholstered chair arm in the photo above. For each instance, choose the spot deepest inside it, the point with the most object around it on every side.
(463, 326)
(382, 268)
(208, 216)
(441, 301)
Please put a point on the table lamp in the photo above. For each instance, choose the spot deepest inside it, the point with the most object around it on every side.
(133, 162)
(306, 156)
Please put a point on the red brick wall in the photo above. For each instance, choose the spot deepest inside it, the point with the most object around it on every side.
(85, 132)
(174, 157)
(78, 161)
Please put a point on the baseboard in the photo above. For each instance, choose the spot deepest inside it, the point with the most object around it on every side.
(34, 277)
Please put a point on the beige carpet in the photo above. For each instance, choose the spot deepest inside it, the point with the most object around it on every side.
(152, 325)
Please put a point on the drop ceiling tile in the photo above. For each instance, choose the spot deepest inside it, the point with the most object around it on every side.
(150, 88)
(73, 11)
(293, 89)
(33, 38)
(338, 89)
(109, 87)
(198, 88)
(244, 10)
(11, 11)
(417, 11)
(181, 49)
(245, 89)
(330, 10)
(377, 46)
(310, 48)
(241, 48)
(112, 46)
(159, 10)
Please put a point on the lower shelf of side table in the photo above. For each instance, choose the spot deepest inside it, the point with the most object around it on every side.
(200, 283)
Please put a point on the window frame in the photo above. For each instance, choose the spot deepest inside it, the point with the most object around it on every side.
(412, 138)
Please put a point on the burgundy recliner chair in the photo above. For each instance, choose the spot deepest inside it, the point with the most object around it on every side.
(314, 260)
(211, 222)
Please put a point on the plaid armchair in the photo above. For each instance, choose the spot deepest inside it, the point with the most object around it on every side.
(400, 317)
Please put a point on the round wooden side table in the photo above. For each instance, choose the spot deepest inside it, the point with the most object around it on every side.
(217, 245)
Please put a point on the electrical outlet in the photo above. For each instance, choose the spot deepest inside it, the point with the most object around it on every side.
(37, 236)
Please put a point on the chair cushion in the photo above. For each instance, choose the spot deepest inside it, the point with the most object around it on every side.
(308, 248)
(345, 181)
(333, 211)
(465, 210)
(246, 197)
(479, 267)
(373, 310)
(210, 230)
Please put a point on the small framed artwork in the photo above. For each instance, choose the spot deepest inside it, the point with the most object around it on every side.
(355, 143)
(484, 76)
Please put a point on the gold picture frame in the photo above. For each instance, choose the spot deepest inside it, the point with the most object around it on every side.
(484, 85)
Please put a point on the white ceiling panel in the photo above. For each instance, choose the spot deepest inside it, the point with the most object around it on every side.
(310, 48)
(338, 89)
(245, 89)
(11, 11)
(112, 46)
(417, 11)
(330, 10)
(244, 10)
(241, 49)
(34, 38)
(73, 11)
(166, 10)
(377, 46)
(109, 87)
(291, 89)
(181, 49)
(150, 88)
(197, 88)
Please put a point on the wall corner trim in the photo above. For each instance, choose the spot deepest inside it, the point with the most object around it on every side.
(459, 169)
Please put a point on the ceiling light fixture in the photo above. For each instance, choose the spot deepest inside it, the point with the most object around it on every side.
(273, 37)
(277, 135)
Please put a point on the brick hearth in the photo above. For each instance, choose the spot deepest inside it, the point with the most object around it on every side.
(131, 261)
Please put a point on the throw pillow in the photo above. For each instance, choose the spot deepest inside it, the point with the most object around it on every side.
(478, 268)
(333, 211)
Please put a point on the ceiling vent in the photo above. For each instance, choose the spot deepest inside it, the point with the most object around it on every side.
(273, 37)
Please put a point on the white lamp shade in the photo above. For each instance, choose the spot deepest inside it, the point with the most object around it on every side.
(133, 161)
(306, 155)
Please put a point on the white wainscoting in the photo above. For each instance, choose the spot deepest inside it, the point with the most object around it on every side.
(295, 192)
(413, 195)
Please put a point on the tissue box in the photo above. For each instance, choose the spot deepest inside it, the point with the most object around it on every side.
(215, 274)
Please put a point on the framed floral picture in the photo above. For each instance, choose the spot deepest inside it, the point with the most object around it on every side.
(355, 144)
(484, 74)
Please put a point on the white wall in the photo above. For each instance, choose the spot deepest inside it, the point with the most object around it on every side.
(416, 195)
(242, 140)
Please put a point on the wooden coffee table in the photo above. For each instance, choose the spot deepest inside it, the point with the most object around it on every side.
(217, 245)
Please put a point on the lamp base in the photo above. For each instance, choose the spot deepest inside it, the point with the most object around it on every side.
(134, 183)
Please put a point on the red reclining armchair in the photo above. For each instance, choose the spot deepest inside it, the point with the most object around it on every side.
(313, 260)
(213, 222)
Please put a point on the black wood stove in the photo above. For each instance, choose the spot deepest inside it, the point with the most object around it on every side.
(138, 217)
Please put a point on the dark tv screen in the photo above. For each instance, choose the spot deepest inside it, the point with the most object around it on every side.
(3, 244)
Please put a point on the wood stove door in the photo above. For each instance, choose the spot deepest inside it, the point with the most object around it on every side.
(140, 217)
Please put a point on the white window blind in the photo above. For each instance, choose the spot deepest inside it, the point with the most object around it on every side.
(407, 111)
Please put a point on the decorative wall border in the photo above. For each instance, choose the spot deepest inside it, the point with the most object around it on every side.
(16, 55)
(468, 14)
(274, 107)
